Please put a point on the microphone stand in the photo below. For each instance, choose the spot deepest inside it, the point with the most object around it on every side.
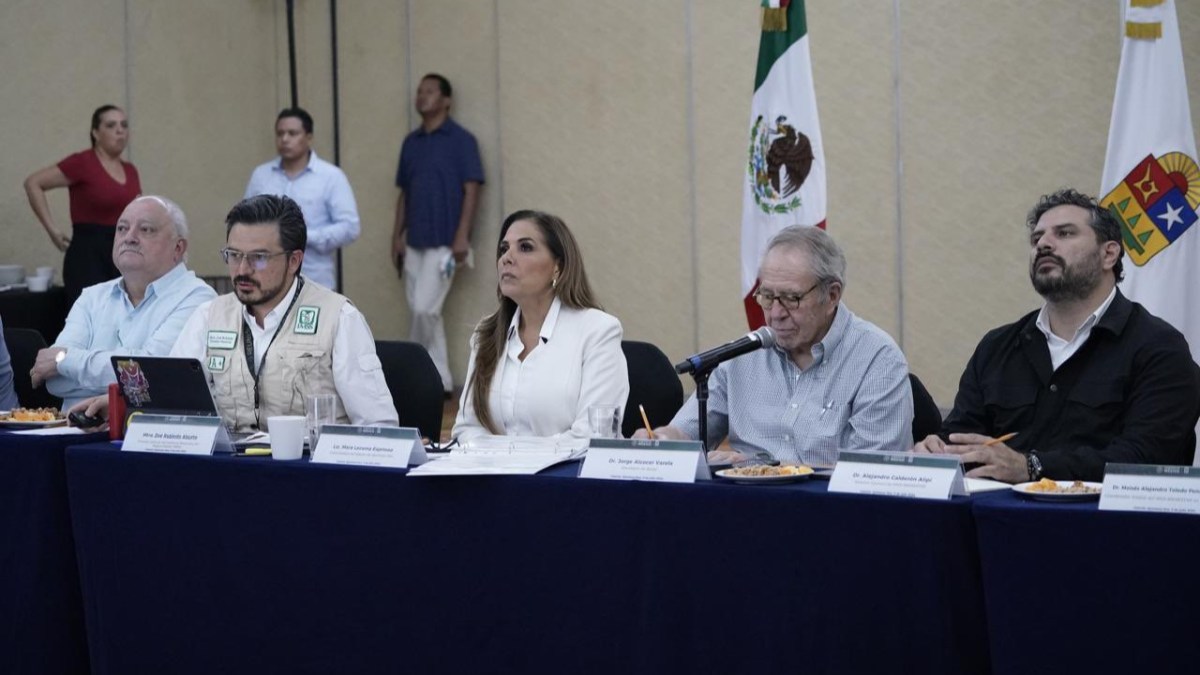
(700, 377)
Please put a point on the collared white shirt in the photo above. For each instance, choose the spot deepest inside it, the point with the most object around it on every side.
(357, 375)
(1060, 349)
(578, 363)
(327, 201)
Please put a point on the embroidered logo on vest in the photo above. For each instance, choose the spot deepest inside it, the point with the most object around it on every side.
(216, 363)
(306, 321)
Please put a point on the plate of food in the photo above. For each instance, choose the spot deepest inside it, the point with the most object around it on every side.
(31, 418)
(764, 473)
(1046, 490)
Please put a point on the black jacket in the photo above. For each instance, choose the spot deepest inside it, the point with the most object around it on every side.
(1131, 394)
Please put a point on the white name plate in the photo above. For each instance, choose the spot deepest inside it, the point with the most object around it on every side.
(898, 474)
(391, 447)
(653, 460)
(1151, 487)
(174, 434)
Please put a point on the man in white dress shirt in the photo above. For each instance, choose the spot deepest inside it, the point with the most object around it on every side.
(279, 338)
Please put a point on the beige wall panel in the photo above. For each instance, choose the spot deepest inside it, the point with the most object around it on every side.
(457, 39)
(724, 56)
(1002, 103)
(198, 75)
(594, 129)
(47, 94)
(852, 53)
(372, 62)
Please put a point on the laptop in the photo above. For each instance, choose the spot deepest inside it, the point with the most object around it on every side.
(162, 385)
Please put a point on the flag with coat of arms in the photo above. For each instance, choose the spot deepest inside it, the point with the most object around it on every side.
(784, 183)
(1151, 180)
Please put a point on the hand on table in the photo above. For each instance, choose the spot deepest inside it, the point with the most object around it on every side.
(999, 461)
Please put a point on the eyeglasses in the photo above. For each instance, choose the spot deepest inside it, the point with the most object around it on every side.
(257, 259)
(789, 301)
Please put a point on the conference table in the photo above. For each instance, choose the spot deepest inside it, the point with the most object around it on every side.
(41, 609)
(234, 564)
(1071, 589)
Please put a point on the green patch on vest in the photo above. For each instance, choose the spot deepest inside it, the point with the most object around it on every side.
(306, 320)
(216, 363)
(222, 339)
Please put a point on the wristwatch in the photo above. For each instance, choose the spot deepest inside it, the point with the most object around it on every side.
(58, 358)
(1034, 465)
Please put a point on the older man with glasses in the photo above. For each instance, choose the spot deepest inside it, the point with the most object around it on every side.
(279, 338)
(831, 382)
(138, 314)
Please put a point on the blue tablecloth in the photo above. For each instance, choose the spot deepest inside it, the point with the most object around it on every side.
(41, 613)
(202, 565)
(1071, 589)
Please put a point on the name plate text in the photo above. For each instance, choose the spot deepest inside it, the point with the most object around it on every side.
(1151, 487)
(644, 459)
(898, 474)
(390, 447)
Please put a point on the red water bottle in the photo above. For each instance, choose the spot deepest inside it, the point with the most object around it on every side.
(116, 412)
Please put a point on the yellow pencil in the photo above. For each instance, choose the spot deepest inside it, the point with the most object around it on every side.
(646, 421)
(1001, 439)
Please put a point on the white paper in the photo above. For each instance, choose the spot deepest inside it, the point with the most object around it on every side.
(977, 485)
(52, 431)
(503, 455)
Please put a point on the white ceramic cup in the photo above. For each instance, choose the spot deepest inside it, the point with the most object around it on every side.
(37, 284)
(605, 421)
(318, 410)
(287, 436)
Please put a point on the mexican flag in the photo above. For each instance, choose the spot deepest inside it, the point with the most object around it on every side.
(785, 164)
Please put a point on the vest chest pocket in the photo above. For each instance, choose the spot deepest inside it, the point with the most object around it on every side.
(309, 371)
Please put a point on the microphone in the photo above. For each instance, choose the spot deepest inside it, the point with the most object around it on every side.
(705, 361)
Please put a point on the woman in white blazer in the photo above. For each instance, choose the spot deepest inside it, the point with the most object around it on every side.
(548, 352)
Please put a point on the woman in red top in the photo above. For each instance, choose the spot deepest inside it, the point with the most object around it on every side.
(101, 185)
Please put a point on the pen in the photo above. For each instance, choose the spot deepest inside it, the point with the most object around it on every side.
(827, 408)
(1000, 439)
(646, 421)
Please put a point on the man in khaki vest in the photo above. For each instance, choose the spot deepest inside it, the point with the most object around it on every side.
(277, 338)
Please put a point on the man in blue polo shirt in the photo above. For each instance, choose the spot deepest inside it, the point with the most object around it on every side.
(439, 178)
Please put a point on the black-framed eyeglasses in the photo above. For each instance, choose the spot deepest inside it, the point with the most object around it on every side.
(789, 301)
(257, 259)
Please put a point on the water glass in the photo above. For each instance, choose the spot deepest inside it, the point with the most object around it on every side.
(605, 421)
(318, 410)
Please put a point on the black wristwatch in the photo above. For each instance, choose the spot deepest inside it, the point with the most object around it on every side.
(1034, 465)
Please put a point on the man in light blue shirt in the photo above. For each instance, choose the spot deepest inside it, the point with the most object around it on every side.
(320, 188)
(138, 314)
(831, 382)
